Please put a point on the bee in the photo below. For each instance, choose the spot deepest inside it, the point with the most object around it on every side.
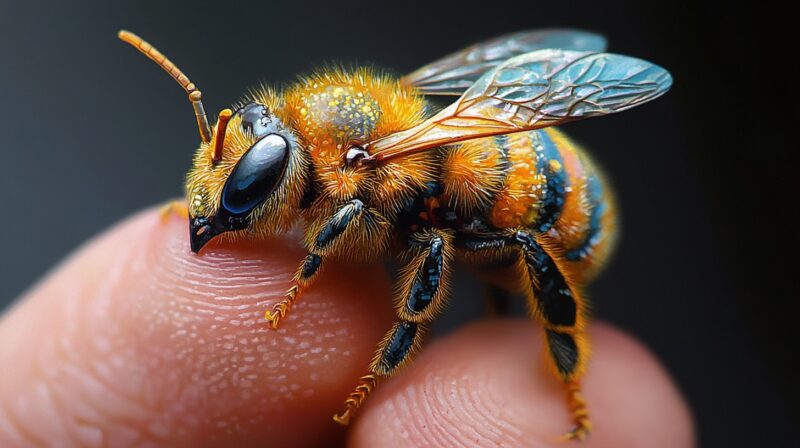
(368, 166)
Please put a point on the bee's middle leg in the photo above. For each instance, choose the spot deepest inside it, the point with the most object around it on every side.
(422, 294)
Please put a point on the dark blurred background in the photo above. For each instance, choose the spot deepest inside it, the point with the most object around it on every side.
(706, 176)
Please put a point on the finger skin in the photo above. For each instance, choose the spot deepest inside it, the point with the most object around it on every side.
(134, 341)
(485, 386)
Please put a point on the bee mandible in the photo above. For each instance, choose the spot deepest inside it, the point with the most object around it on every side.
(362, 160)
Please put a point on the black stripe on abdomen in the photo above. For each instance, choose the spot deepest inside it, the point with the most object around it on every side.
(549, 164)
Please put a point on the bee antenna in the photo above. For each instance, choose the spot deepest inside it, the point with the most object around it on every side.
(195, 96)
(219, 135)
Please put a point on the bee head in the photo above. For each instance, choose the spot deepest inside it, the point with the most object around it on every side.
(248, 179)
(248, 175)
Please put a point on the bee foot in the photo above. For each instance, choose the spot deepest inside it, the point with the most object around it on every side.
(580, 414)
(579, 433)
(274, 317)
(281, 309)
(343, 418)
(356, 398)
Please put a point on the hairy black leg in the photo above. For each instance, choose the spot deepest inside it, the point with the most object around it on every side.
(311, 264)
(421, 297)
(423, 283)
(338, 223)
(553, 295)
(555, 301)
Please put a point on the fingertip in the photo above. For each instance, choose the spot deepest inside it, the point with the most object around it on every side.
(169, 347)
(638, 401)
(485, 385)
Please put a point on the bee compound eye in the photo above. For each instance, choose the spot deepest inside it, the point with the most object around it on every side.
(256, 175)
(256, 119)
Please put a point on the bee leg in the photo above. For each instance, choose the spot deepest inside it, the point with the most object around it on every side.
(175, 207)
(496, 301)
(421, 296)
(337, 224)
(306, 273)
(308, 270)
(557, 303)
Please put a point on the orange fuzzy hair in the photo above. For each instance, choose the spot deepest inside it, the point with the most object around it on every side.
(373, 105)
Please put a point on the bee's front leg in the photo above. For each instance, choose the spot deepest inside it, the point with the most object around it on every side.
(175, 207)
(328, 233)
(422, 295)
(305, 274)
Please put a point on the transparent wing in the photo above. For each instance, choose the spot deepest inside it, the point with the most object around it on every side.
(455, 73)
(532, 91)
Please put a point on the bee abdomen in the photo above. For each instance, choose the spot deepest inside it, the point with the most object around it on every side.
(552, 187)
(586, 228)
(536, 184)
(554, 181)
(594, 227)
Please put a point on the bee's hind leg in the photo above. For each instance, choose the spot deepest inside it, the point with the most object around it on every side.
(175, 207)
(421, 296)
(556, 302)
